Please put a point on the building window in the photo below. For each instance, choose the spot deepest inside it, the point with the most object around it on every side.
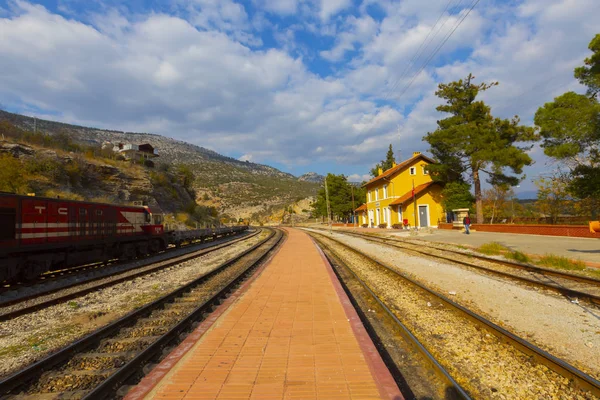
(376, 194)
(385, 192)
(425, 172)
(369, 194)
(413, 170)
(385, 215)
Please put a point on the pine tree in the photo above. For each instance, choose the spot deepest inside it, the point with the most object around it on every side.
(384, 164)
(473, 141)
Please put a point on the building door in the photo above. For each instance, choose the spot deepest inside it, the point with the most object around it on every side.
(377, 217)
(423, 216)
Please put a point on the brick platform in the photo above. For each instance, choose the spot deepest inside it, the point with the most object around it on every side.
(292, 333)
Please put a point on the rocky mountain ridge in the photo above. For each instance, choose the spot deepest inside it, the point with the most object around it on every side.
(236, 188)
(171, 151)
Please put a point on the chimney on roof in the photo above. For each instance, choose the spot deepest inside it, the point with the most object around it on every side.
(394, 164)
(416, 153)
(379, 171)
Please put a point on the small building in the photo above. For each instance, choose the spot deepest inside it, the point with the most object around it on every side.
(134, 152)
(404, 195)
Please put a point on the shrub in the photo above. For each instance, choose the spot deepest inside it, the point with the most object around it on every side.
(382, 225)
(53, 193)
(12, 178)
(492, 249)
(518, 256)
(550, 260)
(398, 226)
(365, 225)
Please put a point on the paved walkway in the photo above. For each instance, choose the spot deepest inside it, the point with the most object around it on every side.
(291, 334)
(585, 249)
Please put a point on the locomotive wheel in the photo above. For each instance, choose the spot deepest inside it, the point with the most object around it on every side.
(31, 270)
(154, 247)
(127, 251)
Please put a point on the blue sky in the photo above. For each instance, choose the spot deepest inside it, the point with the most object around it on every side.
(303, 85)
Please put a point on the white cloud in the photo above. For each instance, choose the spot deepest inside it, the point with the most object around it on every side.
(246, 157)
(198, 76)
(329, 8)
(359, 178)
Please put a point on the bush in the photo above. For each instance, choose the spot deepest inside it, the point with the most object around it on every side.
(382, 225)
(397, 226)
(59, 194)
(492, 249)
(550, 260)
(518, 256)
(12, 178)
(365, 225)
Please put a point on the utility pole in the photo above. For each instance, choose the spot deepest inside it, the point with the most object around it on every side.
(353, 206)
(415, 204)
(328, 209)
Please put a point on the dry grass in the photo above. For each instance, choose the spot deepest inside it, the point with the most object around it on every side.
(559, 262)
(492, 249)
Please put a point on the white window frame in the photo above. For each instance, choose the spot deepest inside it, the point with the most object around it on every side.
(425, 172)
(369, 194)
(385, 192)
(413, 170)
(377, 194)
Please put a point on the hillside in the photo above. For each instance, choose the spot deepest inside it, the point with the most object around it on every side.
(236, 188)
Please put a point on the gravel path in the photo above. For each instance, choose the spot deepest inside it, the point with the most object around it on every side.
(483, 365)
(29, 338)
(567, 330)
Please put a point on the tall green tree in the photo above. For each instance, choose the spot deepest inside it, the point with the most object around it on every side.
(384, 164)
(457, 194)
(474, 142)
(570, 128)
(589, 74)
(340, 198)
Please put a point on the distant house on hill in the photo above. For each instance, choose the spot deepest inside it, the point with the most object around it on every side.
(134, 152)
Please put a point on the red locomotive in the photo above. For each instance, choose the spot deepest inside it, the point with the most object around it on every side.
(43, 234)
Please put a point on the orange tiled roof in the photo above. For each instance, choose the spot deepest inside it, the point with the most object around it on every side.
(408, 195)
(361, 208)
(398, 168)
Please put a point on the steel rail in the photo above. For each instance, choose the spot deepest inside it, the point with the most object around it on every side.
(61, 299)
(406, 333)
(559, 366)
(108, 387)
(594, 298)
(143, 263)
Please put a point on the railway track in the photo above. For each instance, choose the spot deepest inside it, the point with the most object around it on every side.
(118, 354)
(484, 359)
(9, 292)
(574, 287)
(33, 300)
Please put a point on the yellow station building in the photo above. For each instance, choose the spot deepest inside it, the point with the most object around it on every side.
(390, 196)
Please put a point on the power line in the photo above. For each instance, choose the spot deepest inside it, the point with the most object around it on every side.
(459, 23)
(416, 55)
(435, 51)
(418, 52)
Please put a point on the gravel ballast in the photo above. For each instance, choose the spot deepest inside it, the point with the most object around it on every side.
(567, 330)
(29, 338)
(484, 365)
